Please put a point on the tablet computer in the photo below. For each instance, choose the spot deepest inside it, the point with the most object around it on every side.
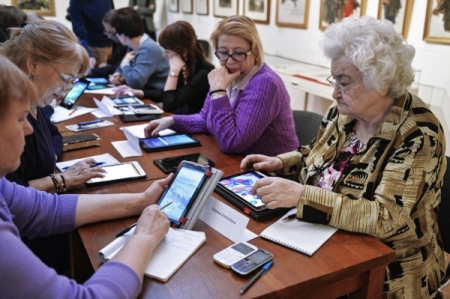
(127, 118)
(160, 143)
(74, 94)
(98, 80)
(126, 101)
(169, 165)
(182, 191)
(98, 86)
(120, 172)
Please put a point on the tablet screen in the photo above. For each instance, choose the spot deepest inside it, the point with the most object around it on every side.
(125, 101)
(98, 86)
(241, 185)
(181, 191)
(165, 141)
(98, 80)
(73, 95)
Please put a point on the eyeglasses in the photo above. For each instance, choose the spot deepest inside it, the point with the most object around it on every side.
(68, 82)
(340, 87)
(109, 33)
(238, 56)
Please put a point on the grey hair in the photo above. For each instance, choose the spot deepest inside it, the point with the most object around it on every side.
(377, 51)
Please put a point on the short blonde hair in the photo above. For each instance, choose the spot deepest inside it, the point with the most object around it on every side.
(14, 86)
(46, 41)
(243, 27)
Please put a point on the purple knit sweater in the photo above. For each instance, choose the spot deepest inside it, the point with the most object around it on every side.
(258, 122)
(27, 212)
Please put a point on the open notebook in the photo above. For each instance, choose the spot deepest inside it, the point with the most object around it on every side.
(298, 235)
(173, 251)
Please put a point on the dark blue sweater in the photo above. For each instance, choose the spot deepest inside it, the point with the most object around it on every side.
(86, 17)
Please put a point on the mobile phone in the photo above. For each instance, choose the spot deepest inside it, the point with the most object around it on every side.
(160, 143)
(169, 165)
(126, 101)
(182, 191)
(234, 253)
(240, 187)
(74, 94)
(98, 80)
(252, 262)
(145, 109)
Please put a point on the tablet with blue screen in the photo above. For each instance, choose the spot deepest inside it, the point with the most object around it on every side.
(160, 143)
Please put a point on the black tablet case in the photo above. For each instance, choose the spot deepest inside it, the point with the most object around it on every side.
(257, 215)
(126, 118)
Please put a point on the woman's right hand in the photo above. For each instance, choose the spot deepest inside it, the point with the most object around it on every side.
(261, 162)
(116, 79)
(124, 90)
(81, 172)
(153, 223)
(155, 126)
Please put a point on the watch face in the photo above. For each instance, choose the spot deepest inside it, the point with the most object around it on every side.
(173, 74)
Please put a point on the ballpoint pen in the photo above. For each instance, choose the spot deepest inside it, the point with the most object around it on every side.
(134, 224)
(290, 217)
(73, 111)
(91, 165)
(260, 273)
(91, 122)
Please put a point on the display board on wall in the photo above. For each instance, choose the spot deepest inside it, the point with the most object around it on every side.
(398, 12)
(332, 11)
(437, 22)
(42, 7)
(173, 5)
(186, 6)
(292, 13)
(202, 7)
(257, 10)
(225, 8)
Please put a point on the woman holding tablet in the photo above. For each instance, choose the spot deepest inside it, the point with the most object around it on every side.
(248, 108)
(30, 213)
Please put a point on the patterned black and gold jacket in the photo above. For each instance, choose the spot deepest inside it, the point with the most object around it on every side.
(390, 190)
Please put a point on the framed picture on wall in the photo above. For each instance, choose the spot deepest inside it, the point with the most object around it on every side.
(186, 6)
(332, 11)
(173, 5)
(42, 7)
(225, 8)
(437, 22)
(202, 7)
(292, 13)
(258, 10)
(398, 12)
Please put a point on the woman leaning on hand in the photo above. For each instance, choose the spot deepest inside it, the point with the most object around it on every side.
(377, 163)
(248, 108)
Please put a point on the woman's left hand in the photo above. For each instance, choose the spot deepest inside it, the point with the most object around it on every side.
(220, 78)
(129, 56)
(153, 193)
(278, 192)
(81, 172)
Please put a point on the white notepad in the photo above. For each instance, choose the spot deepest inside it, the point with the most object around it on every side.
(298, 235)
(173, 251)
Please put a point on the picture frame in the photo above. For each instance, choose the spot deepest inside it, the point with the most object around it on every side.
(225, 8)
(187, 6)
(202, 7)
(257, 10)
(292, 13)
(331, 11)
(437, 30)
(173, 5)
(45, 8)
(398, 12)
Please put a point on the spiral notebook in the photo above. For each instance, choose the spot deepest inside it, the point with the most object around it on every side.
(302, 236)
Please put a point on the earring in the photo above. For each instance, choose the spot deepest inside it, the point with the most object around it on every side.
(31, 77)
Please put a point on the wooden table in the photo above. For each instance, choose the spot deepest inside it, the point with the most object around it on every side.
(347, 263)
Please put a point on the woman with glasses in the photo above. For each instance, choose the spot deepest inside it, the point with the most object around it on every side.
(52, 65)
(247, 109)
(378, 161)
(187, 84)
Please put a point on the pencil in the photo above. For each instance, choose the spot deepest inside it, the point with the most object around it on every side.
(73, 111)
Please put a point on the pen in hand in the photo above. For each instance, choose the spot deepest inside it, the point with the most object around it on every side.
(260, 273)
(134, 224)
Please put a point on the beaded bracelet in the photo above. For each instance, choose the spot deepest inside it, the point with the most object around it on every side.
(55, 183)
(217, 90)
(64, 187)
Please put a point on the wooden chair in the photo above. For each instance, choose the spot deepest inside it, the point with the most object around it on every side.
(444, 221)
(307, 124)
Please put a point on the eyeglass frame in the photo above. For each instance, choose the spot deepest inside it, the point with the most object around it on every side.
(341, 88)
(109, 34)
(231, 55)
(72, 82)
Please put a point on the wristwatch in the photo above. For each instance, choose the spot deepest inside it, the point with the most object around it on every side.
(173, 74)
(216, 95)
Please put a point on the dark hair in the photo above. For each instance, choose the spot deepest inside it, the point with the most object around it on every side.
(128, 22)
(108, 16)
(180, 37)
(10, 16)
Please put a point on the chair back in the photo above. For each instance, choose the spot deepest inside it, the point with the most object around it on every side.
(444, 209)
(205, 45)
(307, 125)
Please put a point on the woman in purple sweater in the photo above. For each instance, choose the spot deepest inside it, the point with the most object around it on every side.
(28, 212)
(248, 108)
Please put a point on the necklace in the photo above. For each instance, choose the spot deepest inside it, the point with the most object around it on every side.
(185, 74)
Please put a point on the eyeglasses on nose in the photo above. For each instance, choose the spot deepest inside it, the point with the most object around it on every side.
(237, 56)
(341, 88)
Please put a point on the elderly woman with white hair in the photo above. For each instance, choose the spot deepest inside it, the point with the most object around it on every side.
(377, 163)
